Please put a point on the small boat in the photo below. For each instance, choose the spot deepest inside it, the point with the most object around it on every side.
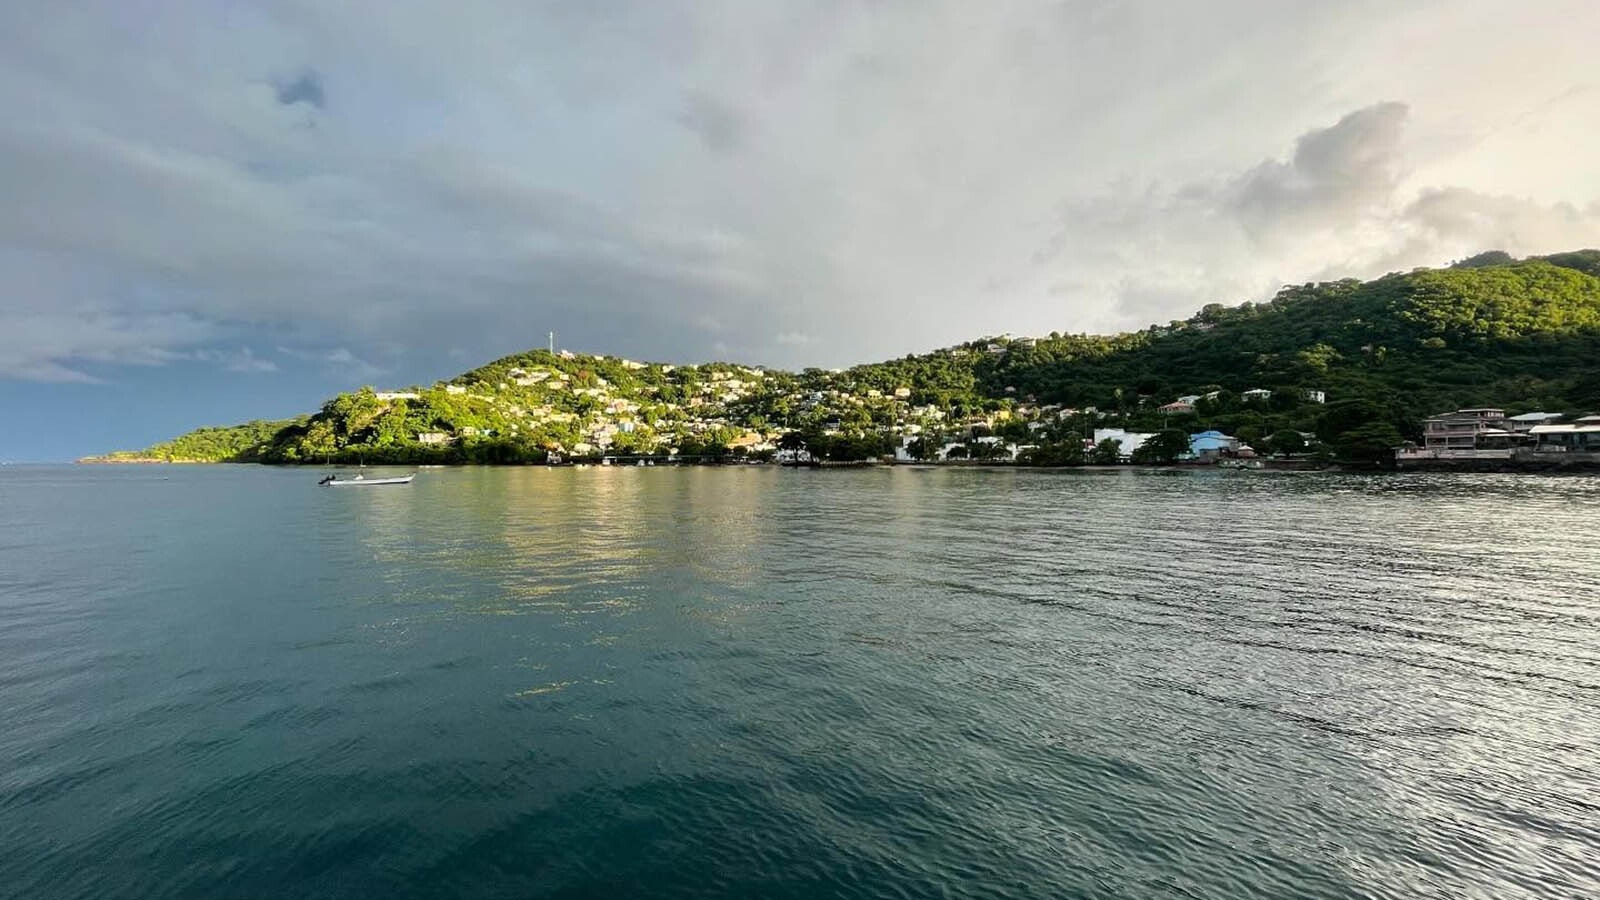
(363, 481)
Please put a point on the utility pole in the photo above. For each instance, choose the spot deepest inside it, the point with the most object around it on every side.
(552, 343)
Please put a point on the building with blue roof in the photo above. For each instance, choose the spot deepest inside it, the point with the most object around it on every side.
(1208, 445)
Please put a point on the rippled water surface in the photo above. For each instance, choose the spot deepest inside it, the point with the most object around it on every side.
(228, 682)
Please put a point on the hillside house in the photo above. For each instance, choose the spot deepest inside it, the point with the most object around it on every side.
(1209, 446)
(1256, 394)
(1314, 396)
(1176, 408)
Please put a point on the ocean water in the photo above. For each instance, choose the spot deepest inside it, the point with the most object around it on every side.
(226, 682)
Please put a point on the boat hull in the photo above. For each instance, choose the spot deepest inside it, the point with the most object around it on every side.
(367, 482)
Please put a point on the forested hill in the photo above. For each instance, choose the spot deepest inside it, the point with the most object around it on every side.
(1488, 331)
(1512, 334)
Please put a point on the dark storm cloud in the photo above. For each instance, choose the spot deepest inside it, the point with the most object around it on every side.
(1337, 175)
(305, 89)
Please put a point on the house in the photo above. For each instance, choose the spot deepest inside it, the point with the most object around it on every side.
(901, 393)
(1578, 437)
(396, 395)
(1527, 421)
(1313, 395)
(1208, 446)
(1256, 394)
(1130, 440)
(1191, 399)
(433, 438)
(1177, 407)
(1462, 429)
(456, 389)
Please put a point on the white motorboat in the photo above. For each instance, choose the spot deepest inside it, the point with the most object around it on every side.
(363, 481)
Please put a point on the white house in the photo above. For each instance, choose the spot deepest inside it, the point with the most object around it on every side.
(455, 389)
(396, 395)
(1528, 421)
(1130, 440)
(1256, 394)
(433, 438)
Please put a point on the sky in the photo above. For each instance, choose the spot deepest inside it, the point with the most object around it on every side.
(211, 212)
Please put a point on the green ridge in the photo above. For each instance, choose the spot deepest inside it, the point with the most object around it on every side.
(1488, 331)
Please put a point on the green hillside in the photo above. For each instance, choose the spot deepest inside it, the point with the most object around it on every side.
(227, 443)
(1489, 331)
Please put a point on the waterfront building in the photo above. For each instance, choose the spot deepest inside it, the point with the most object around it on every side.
(1525, 423)
(1462, 429)
(1577, 437)
(1130, 440)
(1210, 445)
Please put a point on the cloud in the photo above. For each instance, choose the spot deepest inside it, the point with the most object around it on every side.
(240, 360)
(715, 122)
(305, 89)
(339, 360)
(1342, 204)
(660, 182)
(1338, 176)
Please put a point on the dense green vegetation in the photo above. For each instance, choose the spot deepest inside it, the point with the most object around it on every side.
(1488, 331)
(228, 443)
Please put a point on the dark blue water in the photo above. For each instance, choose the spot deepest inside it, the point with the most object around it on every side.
(228, 682)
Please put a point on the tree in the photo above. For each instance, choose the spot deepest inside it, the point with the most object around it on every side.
(1162, 447)
(1064, 453)
(956, 451)
(1372, 443)
(1107, 453)
(1287, 442)
(987, 450)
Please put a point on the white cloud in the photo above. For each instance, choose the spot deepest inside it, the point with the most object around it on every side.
(240, 360)
(661, 182)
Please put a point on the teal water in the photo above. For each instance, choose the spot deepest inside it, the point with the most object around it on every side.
(228, 682)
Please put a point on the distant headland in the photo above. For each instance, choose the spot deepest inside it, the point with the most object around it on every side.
(1345, 372)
